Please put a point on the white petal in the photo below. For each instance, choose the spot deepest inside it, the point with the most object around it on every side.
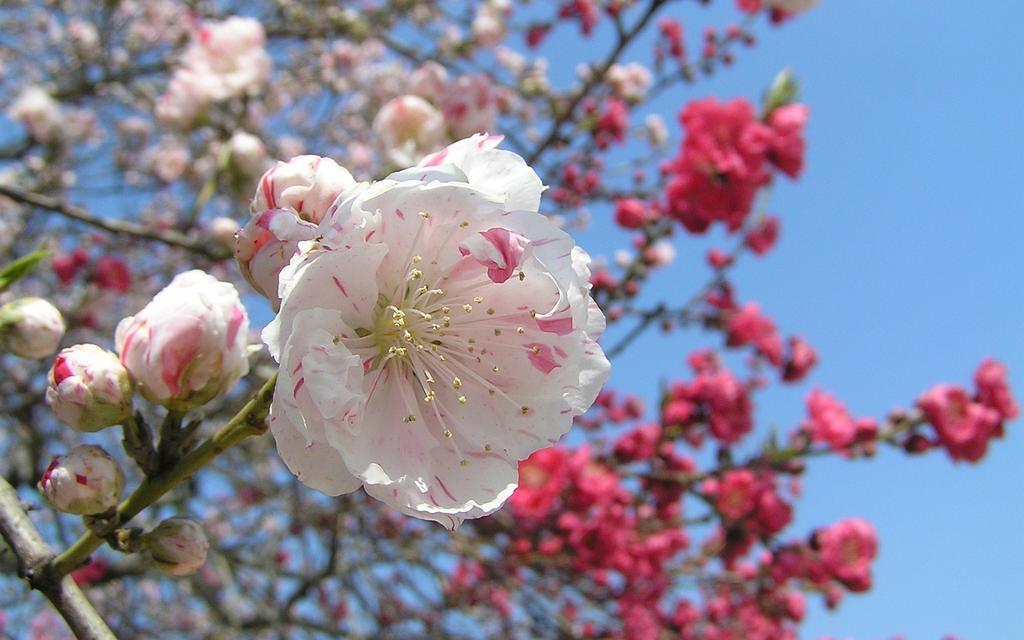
(316, 464)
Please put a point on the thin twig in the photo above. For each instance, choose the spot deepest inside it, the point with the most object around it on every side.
(166, 236)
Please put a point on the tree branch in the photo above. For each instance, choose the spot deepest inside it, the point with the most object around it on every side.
(33, 556)
(168, 237)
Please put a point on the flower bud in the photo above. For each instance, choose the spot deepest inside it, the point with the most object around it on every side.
(85, 481)
(408, 128)
(223, 230)
(30, 328)
(188, 345)
(308, 185)
(89, 389)
(39, 113)
(265, 246)
(248, 154)
(178, 546)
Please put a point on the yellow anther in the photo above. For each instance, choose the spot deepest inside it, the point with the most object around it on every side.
(462, 399)
(448, 433)
(488, 448)
(463, 463)
(520, 330)
(467, 308)
(497, 332)
(415, 274)
(490, 311)
(464, 224)
(417, 259)
(524, 410)
(456, 383)
(409, 418)
(424, 215)
(478, 299)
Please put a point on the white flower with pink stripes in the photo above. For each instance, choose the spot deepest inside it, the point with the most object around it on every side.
(437, 331)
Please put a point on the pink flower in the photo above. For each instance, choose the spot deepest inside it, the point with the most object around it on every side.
(639, 444)
(112, 273)
(225, 59)
(993, 390)
(735, 494)
(631, 213)
(407, 128)
(721, 165)
(762, 238)
(188, 345)
(787, 140)
(542, 478)
(89, 388)
(612, 123)
(85, 481)
(750, 326)
(964, 427)
(728, 403)
(410, 363)
(829, 421)
(802, 358)
(429, 81)
(470, 106)
(847, 549)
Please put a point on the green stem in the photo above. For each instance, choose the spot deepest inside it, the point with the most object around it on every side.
(249, 421)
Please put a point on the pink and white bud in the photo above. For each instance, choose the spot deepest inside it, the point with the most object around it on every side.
(308, 185)
(629, 81)
(470, 106)
(408, 127)
(178, 546)
(489, 23)
(188, 345)
(429, 81)
(656, 130)
(85, 38)
(266, 245)
(89, 389)
(248, 154)
(223, 231)
(30, 328)
(39, 113)
(86, 481)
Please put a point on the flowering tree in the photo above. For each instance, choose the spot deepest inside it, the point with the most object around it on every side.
(330, 347)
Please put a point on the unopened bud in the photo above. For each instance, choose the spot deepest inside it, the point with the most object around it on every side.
(85, 481)
(188, 345)
(178, 546)
(30, 328)
(223, 231)
(89, 389)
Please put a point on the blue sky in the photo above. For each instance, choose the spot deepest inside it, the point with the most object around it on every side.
(900, 260)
